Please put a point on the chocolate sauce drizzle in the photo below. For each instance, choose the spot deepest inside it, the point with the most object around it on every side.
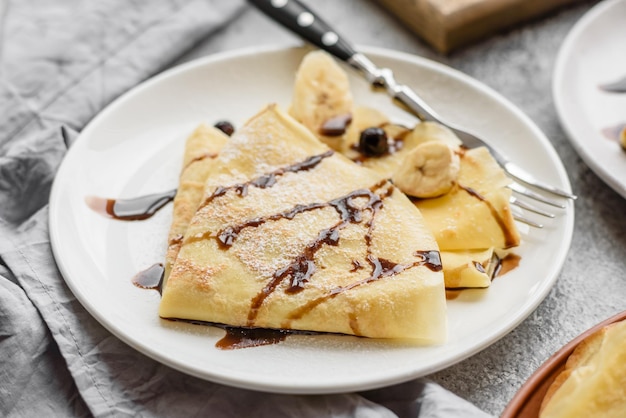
(300, 270)
(351, 209)
(380, 268)
(267, 180)
(509, 239)
(227, 236)
(134, 209)
(356, 266)
(210, 155)
(336, 126)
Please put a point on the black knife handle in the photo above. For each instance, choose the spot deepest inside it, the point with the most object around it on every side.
(302, 21)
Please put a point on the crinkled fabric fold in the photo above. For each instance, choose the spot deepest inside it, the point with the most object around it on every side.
(34, 376)
(113, 379)
(62, 62)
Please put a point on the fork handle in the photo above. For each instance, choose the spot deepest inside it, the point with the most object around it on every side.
(302, 21)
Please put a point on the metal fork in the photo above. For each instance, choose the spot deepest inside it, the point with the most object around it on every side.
(299, 19)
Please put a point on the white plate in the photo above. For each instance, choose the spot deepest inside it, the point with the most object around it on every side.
(134, 147)
(593, 54)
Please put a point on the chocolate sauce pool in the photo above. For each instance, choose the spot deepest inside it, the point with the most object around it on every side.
(250, 337)
(135, 209)
(150, 278)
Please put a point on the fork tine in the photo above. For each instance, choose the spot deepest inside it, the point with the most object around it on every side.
(524, 205)
(521, 175)
(527, 221)
(516, 187)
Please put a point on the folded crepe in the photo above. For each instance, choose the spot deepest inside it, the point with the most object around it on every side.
(473, 218)
(593, 383)
(201, 149)
(291, 235)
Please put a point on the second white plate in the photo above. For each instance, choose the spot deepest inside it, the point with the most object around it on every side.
(593, 54)
(134, 147)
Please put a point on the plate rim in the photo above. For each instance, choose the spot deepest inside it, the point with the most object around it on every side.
(524, 311)
(558, 75)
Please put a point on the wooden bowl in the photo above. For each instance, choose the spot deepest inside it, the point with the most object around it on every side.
(527, 401)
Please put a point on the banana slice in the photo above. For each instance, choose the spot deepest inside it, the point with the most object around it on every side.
(321, 94)
(432, 131)
(429, 170)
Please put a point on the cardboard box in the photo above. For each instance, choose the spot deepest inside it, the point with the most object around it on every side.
(450, 24)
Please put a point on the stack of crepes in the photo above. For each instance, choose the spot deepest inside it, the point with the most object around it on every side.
(288, 225)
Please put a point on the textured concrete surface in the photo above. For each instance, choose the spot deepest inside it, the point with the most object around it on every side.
(518, 64)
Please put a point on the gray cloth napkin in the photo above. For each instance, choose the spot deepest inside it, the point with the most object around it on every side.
(60, 63)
